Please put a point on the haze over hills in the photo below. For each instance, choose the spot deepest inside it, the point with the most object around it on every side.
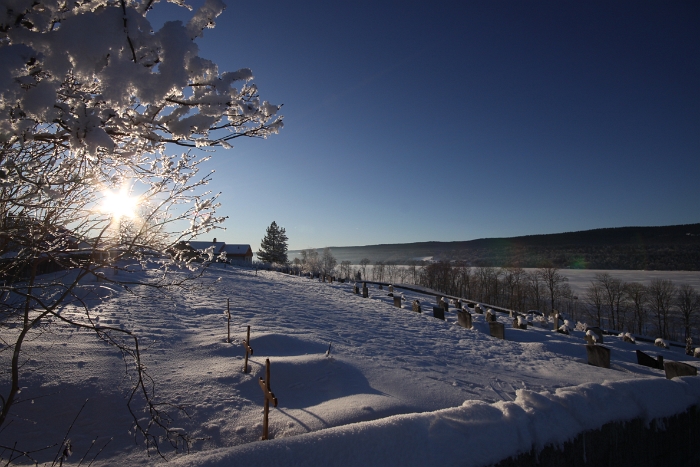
(672, 248)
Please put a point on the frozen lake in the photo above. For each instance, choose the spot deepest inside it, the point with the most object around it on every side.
(580, 279)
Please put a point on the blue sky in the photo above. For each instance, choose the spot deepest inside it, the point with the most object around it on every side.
(416, 121)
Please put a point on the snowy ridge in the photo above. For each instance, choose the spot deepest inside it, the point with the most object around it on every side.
(475, 434)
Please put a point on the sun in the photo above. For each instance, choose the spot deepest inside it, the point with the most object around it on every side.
(119, 204)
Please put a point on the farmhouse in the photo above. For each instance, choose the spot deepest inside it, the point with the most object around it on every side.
(234, 252)
(239, 253)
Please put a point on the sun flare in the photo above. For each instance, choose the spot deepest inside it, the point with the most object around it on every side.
(119, 204)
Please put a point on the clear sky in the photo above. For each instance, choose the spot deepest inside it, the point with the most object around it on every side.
(415, 121)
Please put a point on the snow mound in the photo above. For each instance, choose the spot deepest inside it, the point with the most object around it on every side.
(475, 434)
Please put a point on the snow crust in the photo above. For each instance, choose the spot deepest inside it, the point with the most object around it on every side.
(475, 434)
(398, 387)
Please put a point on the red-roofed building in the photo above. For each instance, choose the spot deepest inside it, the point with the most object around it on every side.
(238, 253)
(234, 253)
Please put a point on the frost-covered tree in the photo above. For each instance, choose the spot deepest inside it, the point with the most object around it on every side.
(345, 269)
(93, 105)
(273, 247)
(310, 261)
(328, 262)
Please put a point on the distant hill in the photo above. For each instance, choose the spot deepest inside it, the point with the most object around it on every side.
(672, 248)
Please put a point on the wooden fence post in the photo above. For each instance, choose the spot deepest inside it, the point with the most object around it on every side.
(248, 351)
(228, 323)
(269, 396)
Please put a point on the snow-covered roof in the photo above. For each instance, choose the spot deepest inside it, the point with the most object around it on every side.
(230, 249)
(237, 249)
(218, 246)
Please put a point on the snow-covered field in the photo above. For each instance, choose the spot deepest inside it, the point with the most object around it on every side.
(580, 279)
(399, 388)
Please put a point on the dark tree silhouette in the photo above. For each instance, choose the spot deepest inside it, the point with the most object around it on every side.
(273, 247)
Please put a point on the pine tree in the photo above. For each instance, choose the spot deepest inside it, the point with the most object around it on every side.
(273, 248)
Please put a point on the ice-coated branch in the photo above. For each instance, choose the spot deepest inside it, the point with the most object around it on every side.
(92, 100)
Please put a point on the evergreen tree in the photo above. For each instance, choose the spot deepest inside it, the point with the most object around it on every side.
(273, 248)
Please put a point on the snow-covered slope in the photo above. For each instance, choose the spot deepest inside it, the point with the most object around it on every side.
(398, 387)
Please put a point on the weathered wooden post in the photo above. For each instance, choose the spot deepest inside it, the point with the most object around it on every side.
(269, 397)
(248, 351)
(228, 324)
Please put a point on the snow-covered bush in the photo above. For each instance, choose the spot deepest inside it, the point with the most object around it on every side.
(659, 342)
(92, 102)
(627, 337)
(565, 327)
(581, 326)
(541, 320)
